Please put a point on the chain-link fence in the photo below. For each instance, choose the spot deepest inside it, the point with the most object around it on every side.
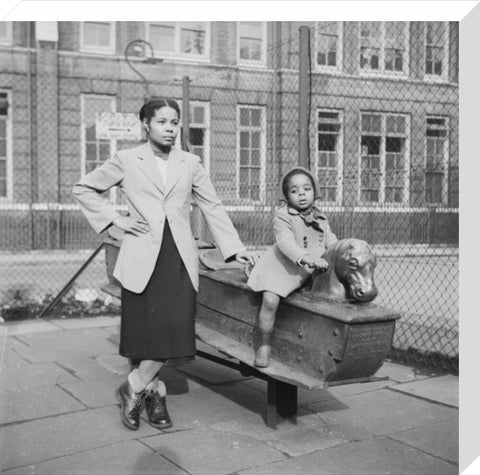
(382, 138)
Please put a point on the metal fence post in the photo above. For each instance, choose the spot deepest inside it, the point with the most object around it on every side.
(186, 113)
(303, 93)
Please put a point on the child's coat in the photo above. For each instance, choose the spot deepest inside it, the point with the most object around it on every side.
(277, 269)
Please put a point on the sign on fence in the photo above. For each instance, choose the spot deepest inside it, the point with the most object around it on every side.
(118, 126)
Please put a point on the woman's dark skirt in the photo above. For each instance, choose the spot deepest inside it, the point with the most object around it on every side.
(159, 323)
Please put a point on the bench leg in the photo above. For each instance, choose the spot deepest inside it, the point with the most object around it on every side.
(286, 399)
(281, 400)
(272, 415)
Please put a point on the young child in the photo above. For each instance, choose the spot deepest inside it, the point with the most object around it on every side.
(302, 234)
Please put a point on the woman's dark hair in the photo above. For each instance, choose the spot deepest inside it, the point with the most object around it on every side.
(148, 109)
(292, 173)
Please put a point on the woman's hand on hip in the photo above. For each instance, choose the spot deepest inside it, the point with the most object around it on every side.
(131, 225)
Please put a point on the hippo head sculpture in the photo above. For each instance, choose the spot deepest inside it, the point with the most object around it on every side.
(350, 274)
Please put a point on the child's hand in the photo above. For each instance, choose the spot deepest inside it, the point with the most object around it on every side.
(307, 261)
(321, 264)
(318, 263)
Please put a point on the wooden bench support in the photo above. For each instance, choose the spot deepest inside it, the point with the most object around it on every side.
(281, 396)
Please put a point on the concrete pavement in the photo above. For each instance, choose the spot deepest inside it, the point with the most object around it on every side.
(59, 415)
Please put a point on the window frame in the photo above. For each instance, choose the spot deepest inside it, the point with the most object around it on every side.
(444, 76)
(382, 71)
(9, 148)
(83, 136)
(176, 53)
(445, 162)
(207, 128)
(263, 153)
(110, 49)
(382, 158)
(340, 156)
(253, 62)
(324, 67)
(7, 40)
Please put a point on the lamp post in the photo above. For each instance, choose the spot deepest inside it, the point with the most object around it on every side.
(139, 48)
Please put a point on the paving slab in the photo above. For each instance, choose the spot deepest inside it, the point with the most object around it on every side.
(9, 356)
(306, 434)
(83, 369)
(125, 458)
(94, 393)
(204, 406)
(116, 364)
(33, 375)
(400, 373)
(205, 451)
(55, 346)
(435, 439)
(442, 389)
(34, 403)
(25, 327)
(379, 456)
(383, 412)
(88, 322)
(43, 439)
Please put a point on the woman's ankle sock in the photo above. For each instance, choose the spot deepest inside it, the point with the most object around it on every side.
(161, 389)
(136, 381)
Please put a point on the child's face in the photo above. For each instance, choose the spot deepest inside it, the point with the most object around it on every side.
(300, 192)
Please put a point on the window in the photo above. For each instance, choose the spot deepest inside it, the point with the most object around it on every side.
(95, 151)
(384, 158)
(329, 44)
(384, 46)
(5, 147)
(97, 36)
(199, 131)
(5, 32)
(251, 153)
(436, 41)
(252, 42)
(436, 160)
(182, 39)
(329, 163)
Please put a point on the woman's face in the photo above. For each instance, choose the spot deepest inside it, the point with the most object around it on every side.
(163, 127)
(300, 192)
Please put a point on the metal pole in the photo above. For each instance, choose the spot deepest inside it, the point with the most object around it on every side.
(186, 114)
(69, 284)
(130, 65)
(303, 92)
(29, 134)
(198, 221)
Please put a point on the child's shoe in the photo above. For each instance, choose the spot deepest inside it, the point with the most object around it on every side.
(262, 356)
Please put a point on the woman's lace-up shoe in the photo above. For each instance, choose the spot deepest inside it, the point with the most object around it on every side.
(130, 405)
(156, 407)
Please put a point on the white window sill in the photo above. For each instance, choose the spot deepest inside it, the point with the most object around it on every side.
(97, 51)
(184, 58)
(384, 75)
(328, 70)
(252, 64)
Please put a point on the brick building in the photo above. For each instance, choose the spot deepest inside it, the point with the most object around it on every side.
(383, 128)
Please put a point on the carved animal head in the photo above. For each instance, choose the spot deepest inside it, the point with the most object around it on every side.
(350, 275)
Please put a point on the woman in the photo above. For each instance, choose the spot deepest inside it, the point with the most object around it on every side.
(157, 264)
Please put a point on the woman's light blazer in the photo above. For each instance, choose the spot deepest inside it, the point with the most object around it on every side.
(136, 172)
